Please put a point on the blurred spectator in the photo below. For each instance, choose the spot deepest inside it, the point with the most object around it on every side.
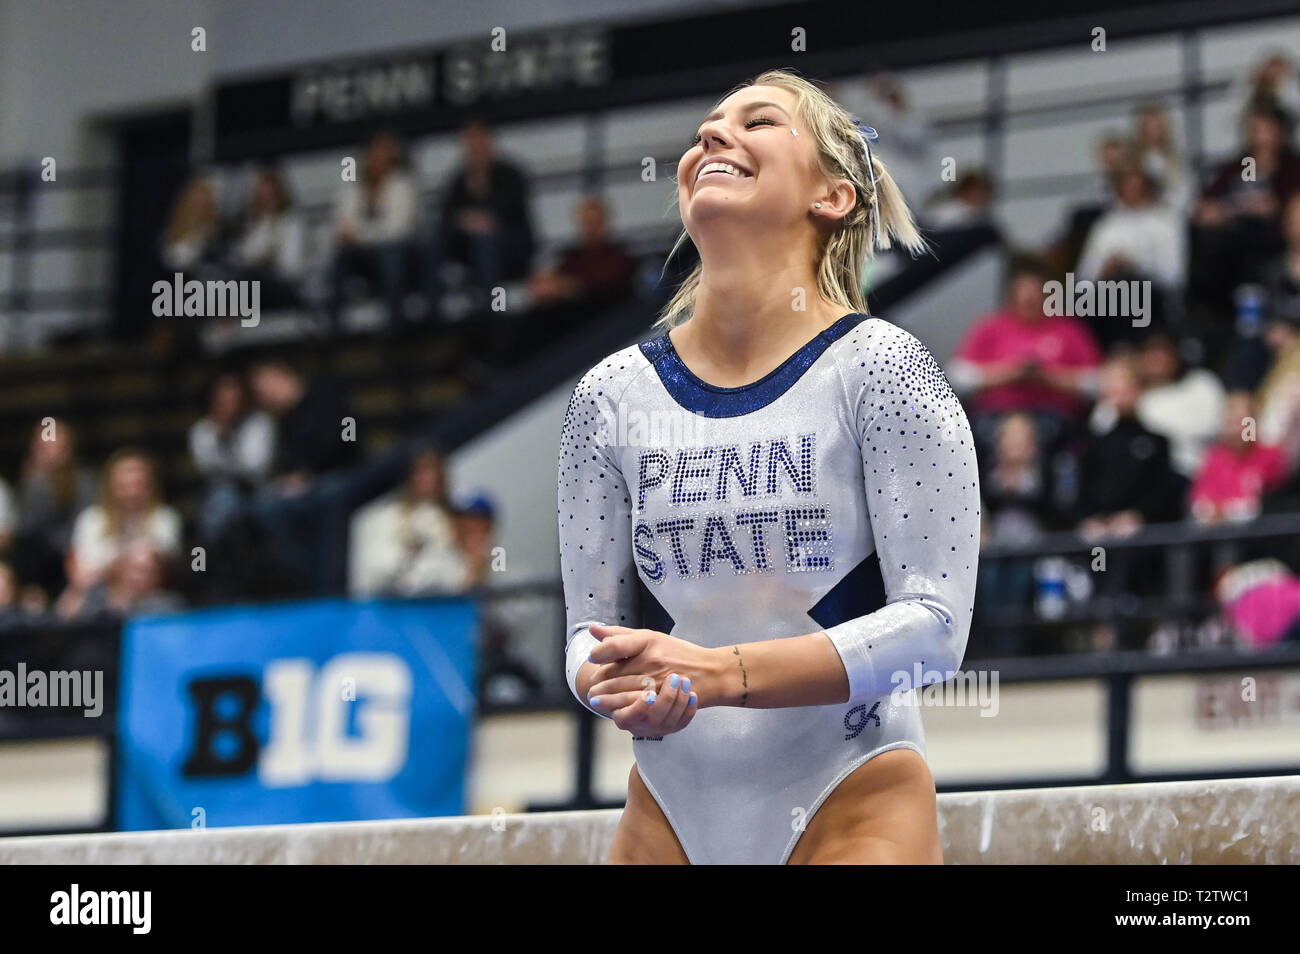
(232, 446)
(484, 222)
(302, 512)
(1183, 405)
(1156, 154)
(505, 676)
(1272, 81)
(53, 489)
(8, 517)
(1235, 193)
(1114, 152)
(1238, 470)
(18, 603)
(309, 429)
(969, 203)
(1018, 503)
(1017, 487)
(374, 222)
(405, 544)
(1237, 223)
(129, 509)
(1137, 239)
(1279, 392)
(270, 246)
(1125, 477)
(10, 609)
(135, 583)
(906, 142)
(193, 239)
(1020, 359)
(1282, 275)
(475, 526)
(595, 270)
(1261, 599)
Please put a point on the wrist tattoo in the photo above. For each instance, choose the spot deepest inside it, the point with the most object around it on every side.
(744, 676)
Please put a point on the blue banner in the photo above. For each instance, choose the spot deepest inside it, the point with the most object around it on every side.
(322, 711)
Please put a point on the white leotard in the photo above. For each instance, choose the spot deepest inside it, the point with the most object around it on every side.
(838, 493)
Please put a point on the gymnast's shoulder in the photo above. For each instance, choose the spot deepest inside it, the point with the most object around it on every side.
(606, 380)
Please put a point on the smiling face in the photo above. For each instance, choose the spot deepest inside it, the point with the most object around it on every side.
(745, 164)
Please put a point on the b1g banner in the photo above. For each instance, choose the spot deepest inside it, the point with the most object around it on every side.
(320, 711)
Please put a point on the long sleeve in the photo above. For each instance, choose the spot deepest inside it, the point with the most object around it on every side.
(291, 247)
(375, 557)
(922, 488)
(255, 443)
(595, 525)
(1169, 248)
(205, 448)
(1097, 247)
(396, 220)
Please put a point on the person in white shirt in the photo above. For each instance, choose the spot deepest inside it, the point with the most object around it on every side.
(405, 544)
(270, 247)
(1137, 237)
(232, 447)
(374, 223)
(1184, 405)
(129, 509)
(1156, 152)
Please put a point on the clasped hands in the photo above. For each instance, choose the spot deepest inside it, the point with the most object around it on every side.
(650, 682)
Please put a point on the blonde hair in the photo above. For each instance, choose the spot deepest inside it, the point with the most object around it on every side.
(114, 521)
(193, 213)
(842, 255)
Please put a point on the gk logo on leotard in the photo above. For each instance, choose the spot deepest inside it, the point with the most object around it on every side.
(855, 728)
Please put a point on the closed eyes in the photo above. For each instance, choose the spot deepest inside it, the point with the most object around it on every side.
(748, 125)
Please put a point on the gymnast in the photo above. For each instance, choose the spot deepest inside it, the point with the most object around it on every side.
(751, 604)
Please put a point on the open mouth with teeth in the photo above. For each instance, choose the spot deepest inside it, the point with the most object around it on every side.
(721, 167)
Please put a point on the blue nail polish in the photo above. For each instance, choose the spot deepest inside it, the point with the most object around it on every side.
(594, 701)
(686, 685)
(674, 680)
(651, 700)
(692, 702)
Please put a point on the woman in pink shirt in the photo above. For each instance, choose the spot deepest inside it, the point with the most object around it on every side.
(1021, 359)
(1238, 470)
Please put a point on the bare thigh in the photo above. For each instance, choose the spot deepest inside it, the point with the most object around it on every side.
(644, 836)
(885, 812)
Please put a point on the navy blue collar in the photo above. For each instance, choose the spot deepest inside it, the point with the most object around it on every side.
(709, 400)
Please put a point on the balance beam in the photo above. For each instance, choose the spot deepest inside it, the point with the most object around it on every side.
(1233, 821)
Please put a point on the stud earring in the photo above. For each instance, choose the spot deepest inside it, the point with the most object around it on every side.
(793, 131)
(817, 205)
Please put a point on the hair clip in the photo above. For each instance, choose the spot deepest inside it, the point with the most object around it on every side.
(869, 135)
